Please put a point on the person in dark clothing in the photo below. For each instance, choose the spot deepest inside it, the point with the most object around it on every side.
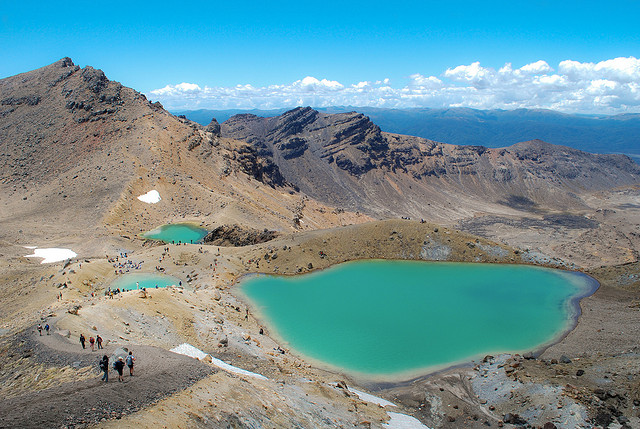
(104, 366)
(119, 366)
(99, 341)
(82, 340)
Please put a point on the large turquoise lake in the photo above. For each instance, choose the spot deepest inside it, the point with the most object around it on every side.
(177, 233)
(397, 319)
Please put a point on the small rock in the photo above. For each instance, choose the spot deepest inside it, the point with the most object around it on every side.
(514, 419)
(74, 309)
(564, 359)
(580, 372)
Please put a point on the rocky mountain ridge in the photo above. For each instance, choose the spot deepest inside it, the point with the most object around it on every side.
(80, 148)
(330, 156)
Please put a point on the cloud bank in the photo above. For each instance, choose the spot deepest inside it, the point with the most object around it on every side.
(611, 86)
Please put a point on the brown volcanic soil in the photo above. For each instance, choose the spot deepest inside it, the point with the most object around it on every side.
(85, 168)
(86, 399)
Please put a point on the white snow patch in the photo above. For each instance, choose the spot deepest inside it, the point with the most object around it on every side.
(373, 399)
(30, 247)
(403, 421)
(52, 254)
(189, 350)
(150, 197)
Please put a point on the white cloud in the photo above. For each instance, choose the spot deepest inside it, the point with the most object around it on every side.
(310, 83)
(611, 86)
(536, 68)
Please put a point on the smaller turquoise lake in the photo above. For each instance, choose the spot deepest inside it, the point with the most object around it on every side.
(177, 233)
(392, 320)
(145, 280)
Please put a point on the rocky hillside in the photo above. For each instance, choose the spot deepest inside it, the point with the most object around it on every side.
(77, 149)
(345, 159)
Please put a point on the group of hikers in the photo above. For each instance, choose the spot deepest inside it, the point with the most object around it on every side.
(92, 342)
(124, 266)
(103, 364)
(118, 366)
(46, 328)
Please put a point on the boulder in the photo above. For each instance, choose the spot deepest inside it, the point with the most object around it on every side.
(119, 352)
(64, 333)
(213, 128)
(514, 419)
(74, 309)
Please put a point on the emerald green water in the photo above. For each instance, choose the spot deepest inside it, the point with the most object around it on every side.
(398, 318)
(177, 233)
(144, 280)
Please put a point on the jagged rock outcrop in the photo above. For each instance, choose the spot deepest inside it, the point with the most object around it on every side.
(236, 235)
(345, 159)
(213, 128)
(350, 140)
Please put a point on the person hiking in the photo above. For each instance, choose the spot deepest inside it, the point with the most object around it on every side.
(104, 366)
(92, 341)
(130, 359)
(46, 328)
(99, 341)
(82, 340)
(118, 366)
(40, 329)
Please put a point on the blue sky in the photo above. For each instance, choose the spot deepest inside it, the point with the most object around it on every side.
(217, 46)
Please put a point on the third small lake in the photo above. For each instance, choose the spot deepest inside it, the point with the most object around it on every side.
(177, 233)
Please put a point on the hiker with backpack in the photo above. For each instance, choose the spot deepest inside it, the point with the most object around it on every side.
(104, 367)
(118, 366)
(130, 359)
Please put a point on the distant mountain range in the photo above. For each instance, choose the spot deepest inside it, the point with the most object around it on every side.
(489, 128)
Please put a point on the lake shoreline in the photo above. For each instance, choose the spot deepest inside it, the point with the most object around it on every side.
(587, 286)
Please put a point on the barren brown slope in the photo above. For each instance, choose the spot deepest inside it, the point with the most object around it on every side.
(78, 149)
(345, 159)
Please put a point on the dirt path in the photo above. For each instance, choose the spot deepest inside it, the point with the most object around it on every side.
(158, 373)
